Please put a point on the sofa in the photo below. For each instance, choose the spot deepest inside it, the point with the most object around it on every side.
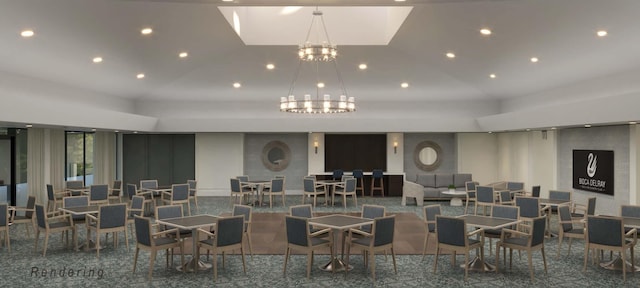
(431, 186)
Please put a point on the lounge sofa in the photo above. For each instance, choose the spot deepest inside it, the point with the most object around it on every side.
(431, 186)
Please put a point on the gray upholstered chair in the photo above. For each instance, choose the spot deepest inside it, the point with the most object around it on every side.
(535, 191)
(303, 210)
(99, 194)
(501, 211)
(299, 237)
(582, 211)
(485, 197)
(74, 187)
(148, 184)
(346, 189)
(55, 198)
(116, 191)
(529, 209)
(310, 189)
(559, 195)
(76, 201)
(179, 195)
(193, 192)
(245, 211)
(110, 219)
(237, 192)
(4, 225)
(470, 187)
(504, 198)
(608, 233)
(429, 214)
(377, 181)
(516, 188)
(28, 217)
(136, 209)
(567, 228)
(379, 240)
(228, 236)
(276, 188)
(171, 211)
(453, 236)
(146, 240)
(526, 241)
(50, 223)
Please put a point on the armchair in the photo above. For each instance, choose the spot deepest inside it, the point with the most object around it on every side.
(29, 212)
(228, 237)
(53, 222)
(453, 236)
(299, 237)
(110, 219)
(412, 190)
(379, 240)
(534, 240)
(608, 233)
(146, 240)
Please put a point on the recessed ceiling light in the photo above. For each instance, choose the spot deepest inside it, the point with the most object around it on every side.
(534, 59)
(146, 31)
(587, 125)
(183, 54)
(97, 60)
(528, 129)
(404, 85)
(492, 76)
(116, 131)
(94, 129)
(27, 33)
(320, 85)
(602, 33)
(400, 0)
(451, 55)
(237, 85)
(362, 66)
(633, 122)
(135, 132)
(271, 66)
(553, 128)
(485, 31)
(29, 126)
(140, 76)
(227, 0)
(489, 132)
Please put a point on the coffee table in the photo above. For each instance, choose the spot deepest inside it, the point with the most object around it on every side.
(456, 199)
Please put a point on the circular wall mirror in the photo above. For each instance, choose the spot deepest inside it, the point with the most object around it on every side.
(276, 156)
(427, 156)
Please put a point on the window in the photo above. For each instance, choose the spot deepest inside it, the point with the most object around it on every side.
(79, 162)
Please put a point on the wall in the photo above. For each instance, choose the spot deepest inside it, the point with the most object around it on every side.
(447, 142)
(219, 157)
(616, 138)
(478, 154)
(297, 169)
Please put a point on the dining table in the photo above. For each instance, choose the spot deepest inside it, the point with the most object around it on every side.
(338, 223)
(330, 186)
(485, 222)
(548, 205)
(192, 223)
(257, 186)
(83, 210)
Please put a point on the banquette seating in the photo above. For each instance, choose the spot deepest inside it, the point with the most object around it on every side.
(431, 186)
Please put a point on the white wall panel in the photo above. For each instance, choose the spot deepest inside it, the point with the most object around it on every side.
(219, 157)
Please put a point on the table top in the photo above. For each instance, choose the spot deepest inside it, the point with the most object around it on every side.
(340, 221)
(81, 210)
(455, 193)
(553, 202)
(190, 222)
(329, 182)
(631, 222)
(487, 222)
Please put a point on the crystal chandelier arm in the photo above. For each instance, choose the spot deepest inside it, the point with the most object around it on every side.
(295, 78)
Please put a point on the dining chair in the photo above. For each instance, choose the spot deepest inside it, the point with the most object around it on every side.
(453, 236)
(524, 241)
(529, 209)
(4, 225)
(567, 228)
(148, 184)
(179, 195)
(429, 214)
(228, 236)
(276, 188)
(608, 233)
(379, 240)
(55, 198)
(74, 187)
(99, 194)
(193, 192)
(171, 211)
(501, 211)
(244, 186)
(299, 237)
(485, 197)
(470, 187)
(305, 211)
(116, 191)
(504, 198)
(237, 192)
(535, 191)
(148, 203)
(516, 188)
(310, 189)
(346, 189)
(369, 212)
(377, 175)
(359, 175)
(28, 217)
(76, 201)
(110, 219)
(582, 211)
(245, 211)
(146, 240)
(135, 209)
(559, 195)
(53, 222)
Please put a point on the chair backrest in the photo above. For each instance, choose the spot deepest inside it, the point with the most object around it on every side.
(148, 184)
(565, 215)
(193, 187)
(50, 194)
(591, 206)
(377, 173)
(537, 231)
(73, 184)
(451, 231)
(137, 202)
(166, 212)
(229, 230)
(235, 185)
(113, 216)
(383, 230)
(346, 177)
(4, 215)
(515, 186)
(350, 185)
(297, 230)
(605, 230)
(243, 178)
(505, 211)
(429, 213)
(337, 174)
(243, 210)
(484, 194)
(99, 192)
(529, 206)
(560, 195)
(277, 185)
(535, 191)
(41, 216)
(470, 186)
(131, 190)
(630, 211)
(76, 201)
(371, 212)
(309, 185)
(357, 173)
(179, 192)
(143, 230)
(116, 188)
(31, 204)
(505, 196)
(303, 211)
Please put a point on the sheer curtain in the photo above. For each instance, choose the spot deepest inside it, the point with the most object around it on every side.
(104, 156)
(36, 164)
(57, 158)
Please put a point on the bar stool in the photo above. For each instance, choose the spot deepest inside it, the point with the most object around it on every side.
(377, 175)
(337, 174)
(359, 180)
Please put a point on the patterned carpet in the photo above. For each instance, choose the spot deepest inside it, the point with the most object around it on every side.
(24, 267)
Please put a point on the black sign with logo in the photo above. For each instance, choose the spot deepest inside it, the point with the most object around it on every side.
(593, 171)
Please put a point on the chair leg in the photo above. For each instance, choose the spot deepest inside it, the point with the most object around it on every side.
(46, 242)
(309, 263)
(544, 260)
(529, 254)
(435, 261)
(151, 262)
(286, 258)
(135, 259)
(424, 247)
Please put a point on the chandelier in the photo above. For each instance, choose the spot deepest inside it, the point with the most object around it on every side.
(315, 54)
